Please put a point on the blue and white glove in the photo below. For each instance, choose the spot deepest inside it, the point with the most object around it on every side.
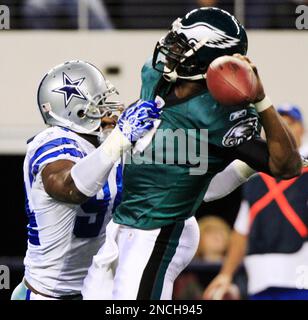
(138, 119)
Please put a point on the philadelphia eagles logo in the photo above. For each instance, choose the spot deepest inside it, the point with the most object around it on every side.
(216, 37)
(242, 131)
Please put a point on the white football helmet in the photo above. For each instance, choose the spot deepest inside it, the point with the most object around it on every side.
(74, 95)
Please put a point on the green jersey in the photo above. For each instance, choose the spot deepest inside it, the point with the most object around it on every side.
(157, 192)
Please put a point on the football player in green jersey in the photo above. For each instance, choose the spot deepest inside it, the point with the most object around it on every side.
(154, 235)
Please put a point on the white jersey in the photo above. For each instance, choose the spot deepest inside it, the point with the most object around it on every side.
(62, 237)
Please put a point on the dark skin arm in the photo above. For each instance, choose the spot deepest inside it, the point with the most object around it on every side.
(284, 159)
(58, 182)
(278, 156)
(56, 176)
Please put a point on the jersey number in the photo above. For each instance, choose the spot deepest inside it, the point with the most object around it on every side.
(90, 224)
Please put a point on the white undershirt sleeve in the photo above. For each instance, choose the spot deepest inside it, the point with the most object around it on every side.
(241, 224)
(228, 180)
(91, 172)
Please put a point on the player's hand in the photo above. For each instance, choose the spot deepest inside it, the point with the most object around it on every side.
(261, 94)
(138, 119)
(217, 289)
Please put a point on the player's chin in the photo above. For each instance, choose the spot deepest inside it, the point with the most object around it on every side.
(108, 126)
(109, 122)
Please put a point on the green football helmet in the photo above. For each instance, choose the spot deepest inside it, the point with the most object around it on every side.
(197, 39)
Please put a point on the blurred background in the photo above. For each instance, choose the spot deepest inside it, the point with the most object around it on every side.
(118, 36)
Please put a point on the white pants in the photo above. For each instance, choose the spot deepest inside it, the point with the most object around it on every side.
(21, 292)
(141, 264)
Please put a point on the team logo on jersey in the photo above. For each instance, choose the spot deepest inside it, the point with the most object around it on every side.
(216, 37)
(70, 89)
(242, 131)
(238, 114)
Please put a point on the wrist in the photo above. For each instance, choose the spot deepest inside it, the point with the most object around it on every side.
(90, 173)
(243, 170)
(226, 275)
(264, 104)
(116, 144)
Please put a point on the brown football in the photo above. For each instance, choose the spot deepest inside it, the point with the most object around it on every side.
(231, 81)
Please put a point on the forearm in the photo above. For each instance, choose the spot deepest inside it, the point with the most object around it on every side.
(73, 183)
(284, 159)
(228, 180)
(235, 255)
(61, 186)
(76, 182)
(91, 173)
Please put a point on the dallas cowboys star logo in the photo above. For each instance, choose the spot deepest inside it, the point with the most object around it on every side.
(70, 89)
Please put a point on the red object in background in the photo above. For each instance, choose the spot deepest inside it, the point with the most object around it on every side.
(231, 81)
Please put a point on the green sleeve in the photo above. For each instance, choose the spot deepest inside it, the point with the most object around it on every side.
(233, 126)
(149, 80)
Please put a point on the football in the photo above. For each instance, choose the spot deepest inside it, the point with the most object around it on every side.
(232, 81)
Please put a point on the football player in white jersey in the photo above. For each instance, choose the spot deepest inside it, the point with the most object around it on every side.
(73, 177)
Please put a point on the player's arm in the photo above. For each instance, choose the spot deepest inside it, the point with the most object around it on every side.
(59, 184)
(256, 154)
(274, 156)
(284, 160)
(226, 181)
(74, 183)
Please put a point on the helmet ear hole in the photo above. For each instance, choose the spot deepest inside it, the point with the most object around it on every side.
(81, 114)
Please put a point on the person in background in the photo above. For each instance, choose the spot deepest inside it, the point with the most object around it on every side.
(272, 230)
(63, 14)
(295, 121)
(276, 14)
(214, 239)
(222, 4)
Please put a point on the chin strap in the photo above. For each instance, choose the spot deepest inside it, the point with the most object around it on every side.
(173, 76)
